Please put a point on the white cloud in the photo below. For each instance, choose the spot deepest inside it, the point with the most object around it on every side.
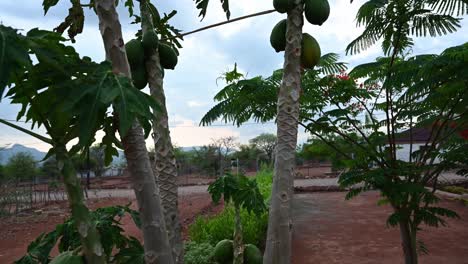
(186, 132)
(194, 103)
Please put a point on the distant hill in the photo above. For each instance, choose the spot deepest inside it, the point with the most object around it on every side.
(38, 155)
(17, 148)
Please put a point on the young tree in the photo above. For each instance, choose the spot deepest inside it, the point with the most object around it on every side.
(97, 154)
(21, 166)
(396, 22)
(266, 142)
(50, 169)
(223, 147)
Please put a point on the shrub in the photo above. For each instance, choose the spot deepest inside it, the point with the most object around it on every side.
(455, 189)
(214, 229)
(264, 181)
(198, 253)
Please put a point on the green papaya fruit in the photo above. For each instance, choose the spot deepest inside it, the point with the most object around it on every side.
(150, 41)
(316, 11)
(283, 6)
(224, 251)
(311, 53)
(252, 255)
(135, 53)
(167, 56)
(139, 77)
(278, 36)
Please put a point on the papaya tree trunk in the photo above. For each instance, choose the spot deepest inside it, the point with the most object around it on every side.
(238, 241)
(165, 164)
(156, 243)
(408, 242)
(89, 235)
(278, 244)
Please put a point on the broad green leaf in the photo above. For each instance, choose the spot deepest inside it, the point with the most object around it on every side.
(13, 56)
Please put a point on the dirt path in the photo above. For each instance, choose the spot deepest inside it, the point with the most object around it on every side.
(328, 229)
(17, 232)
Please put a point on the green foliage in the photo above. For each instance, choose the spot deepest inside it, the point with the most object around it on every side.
(395, 21)
(256, 98)
(118, 247)
(13, 57)
(50, 170)
(266, 142)
(239, 189)
(67, 257)
(98, 155)
(202, 5)
(455, 189)
(264, 180)
(214, 229)
(53, 91)
(219, 227)
(21, 166)
(198, 253)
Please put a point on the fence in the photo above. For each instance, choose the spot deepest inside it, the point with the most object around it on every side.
(18, 197)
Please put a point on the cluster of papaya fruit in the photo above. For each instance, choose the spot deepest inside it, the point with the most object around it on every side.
(224, 253)
(316, 12)
(137, 52)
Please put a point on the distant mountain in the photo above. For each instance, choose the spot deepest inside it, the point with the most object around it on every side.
(7, 153)
(38, 155)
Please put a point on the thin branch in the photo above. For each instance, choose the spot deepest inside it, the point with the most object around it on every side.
(325, 141)
(344, 136)
(222, 23)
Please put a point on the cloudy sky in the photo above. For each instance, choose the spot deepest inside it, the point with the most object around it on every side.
(206, 55)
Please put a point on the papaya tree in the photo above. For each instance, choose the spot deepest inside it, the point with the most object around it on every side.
(165, 165)
(155, 232)
(53, 99)
(242, 192)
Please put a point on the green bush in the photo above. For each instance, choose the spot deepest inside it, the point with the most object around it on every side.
(264, 180)
(198, 253)
(214, 229)
(455, 189)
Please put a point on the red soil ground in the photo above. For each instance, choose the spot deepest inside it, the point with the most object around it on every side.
(17, 232)
(328, 229)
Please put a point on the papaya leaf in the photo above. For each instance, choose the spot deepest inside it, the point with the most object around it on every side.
(202, 5)
(47, 4)
(129, 4)
(13, 56)
(248, 195)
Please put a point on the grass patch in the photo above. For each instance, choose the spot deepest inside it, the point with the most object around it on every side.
(454, 189)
